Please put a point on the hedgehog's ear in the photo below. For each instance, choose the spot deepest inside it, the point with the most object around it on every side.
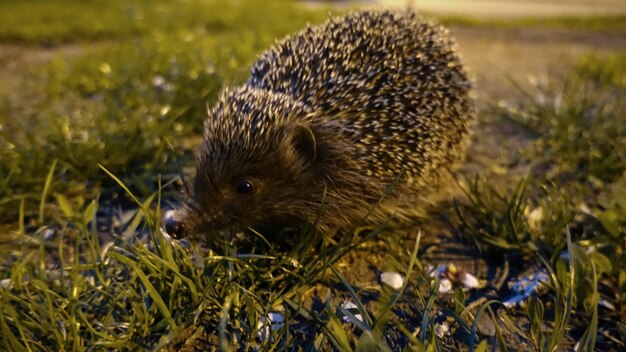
(301, 141)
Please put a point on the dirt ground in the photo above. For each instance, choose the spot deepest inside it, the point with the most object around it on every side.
(495, 57)
(501, 61)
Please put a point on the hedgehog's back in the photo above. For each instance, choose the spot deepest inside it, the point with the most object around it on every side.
(373, 54)
(392, 78)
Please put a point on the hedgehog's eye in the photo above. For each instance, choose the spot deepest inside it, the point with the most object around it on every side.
(244, 187)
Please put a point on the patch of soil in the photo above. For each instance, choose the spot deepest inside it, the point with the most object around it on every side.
(497, 57)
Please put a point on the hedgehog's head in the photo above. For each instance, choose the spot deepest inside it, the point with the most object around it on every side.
(260, 166)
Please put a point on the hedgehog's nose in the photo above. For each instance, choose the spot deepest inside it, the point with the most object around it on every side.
(175, 228)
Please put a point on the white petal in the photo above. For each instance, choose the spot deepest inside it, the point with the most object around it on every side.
(442, 329)
(47, 234)
(469, 280)
(445, 285)
(352, 308)
(274, 321)
(534, 219)
(392, 279)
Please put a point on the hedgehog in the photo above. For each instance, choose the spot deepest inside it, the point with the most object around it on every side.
(359, 117)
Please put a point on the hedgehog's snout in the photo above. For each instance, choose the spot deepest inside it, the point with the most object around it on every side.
(175, 228)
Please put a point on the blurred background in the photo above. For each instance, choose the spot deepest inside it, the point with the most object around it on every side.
(513, 8)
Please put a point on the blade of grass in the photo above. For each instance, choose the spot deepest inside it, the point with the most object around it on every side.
(337, 331)
(429, 306)
(473, 335)
(45, 191)
(588, 341)
(21, 228)
(126, 189)
(355, 298)
(158, 300)
(396, 296)
(13, 341)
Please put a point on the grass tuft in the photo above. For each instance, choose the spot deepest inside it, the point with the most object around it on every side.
(580, 121)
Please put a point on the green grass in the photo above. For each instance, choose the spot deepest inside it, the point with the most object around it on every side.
(606, 23)
(581, 121)
(134, 105)
(121, 118)
(50, 22)
(68, 292)
(575, 188)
